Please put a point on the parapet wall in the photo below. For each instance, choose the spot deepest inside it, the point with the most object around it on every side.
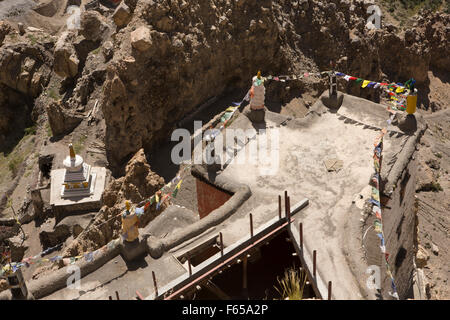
(399, 224)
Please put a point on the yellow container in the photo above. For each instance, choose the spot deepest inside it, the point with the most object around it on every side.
(411, 104)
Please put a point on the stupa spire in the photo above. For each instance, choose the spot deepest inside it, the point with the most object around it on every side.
(71, 151)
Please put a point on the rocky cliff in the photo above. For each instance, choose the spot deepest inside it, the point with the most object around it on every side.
(150, 63)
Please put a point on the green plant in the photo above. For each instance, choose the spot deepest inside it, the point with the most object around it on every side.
(96, 51)
(52, 93)
(14, 164)
(79, 145)
(49, 130)
(32, 38)
(292, 285)
(436, 187)
(13, 37)
(30, 131)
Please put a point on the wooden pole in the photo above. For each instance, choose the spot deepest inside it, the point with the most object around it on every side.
(329, 290)
(279, 206)
(190, 267)
(155, 284)
(289, 209)
(314, 262)
(221, 243)
(117, 295)
(301, 235)
(285, 203)
(251, 225)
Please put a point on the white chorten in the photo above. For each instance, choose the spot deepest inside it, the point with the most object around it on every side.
(78, 179)
(258, 93)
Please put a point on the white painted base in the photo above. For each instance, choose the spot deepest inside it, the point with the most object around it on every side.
(90, 198)
(79, 192)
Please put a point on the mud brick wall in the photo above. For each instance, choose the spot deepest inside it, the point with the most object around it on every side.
(209, 198)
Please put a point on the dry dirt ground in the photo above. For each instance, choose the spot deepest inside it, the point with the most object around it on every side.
(434, 206)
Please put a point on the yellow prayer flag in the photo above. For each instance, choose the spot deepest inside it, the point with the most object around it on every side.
(400, 90)
(365, 83)
(389, 273)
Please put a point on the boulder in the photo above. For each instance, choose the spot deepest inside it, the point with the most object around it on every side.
(141, 39)
(50, 236)
(25, 67)
(422, 257)
(108, 50)
(434, 249)
(433, 164)
(62, 121)
(18, 247)
(26, 211)
(5, 29)
(407, 122)
(3, 285)
(122, 15)
(66, 59)
(93, 25)
(425, 178)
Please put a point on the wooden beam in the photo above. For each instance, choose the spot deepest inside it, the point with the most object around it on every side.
(244, 274)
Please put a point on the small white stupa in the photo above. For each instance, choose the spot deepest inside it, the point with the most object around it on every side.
(79, 181)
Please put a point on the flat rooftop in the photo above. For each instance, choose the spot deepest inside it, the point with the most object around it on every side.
(348, 135)
(331, 221)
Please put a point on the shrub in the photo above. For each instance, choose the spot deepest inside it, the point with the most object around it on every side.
(292, 285)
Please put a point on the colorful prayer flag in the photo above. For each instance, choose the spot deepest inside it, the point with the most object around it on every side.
(175, 192)
(378, 226)
(139, 211)
(375, 194)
